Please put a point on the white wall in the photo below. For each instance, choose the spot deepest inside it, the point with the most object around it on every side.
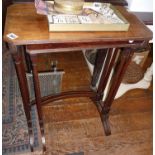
(140, 5)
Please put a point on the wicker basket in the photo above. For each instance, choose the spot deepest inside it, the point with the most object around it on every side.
(133, 74)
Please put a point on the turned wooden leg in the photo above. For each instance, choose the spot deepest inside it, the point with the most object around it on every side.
(125, 58)
(38, 97)
(20, 70)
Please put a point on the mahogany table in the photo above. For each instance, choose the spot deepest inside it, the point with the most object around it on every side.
(115, 50)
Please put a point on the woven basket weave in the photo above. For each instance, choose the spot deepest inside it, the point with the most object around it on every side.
(133, 74)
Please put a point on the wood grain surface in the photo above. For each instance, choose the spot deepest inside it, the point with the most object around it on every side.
(31, 28)
(77, 127)
(74, 125)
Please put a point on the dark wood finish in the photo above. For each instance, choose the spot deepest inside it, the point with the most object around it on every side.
(38, 97)
(23, 1)
(20, 70)
(27, 60)
(100, 57)
(78, 123)
(64, 95)
(100, 89)
(5, 4)
(32, 31)
(126, 56)
(76, 46)
(107, 70)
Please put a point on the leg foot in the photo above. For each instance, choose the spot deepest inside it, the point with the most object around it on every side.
(31, 140)
(104, 114)
(31, 137)
(124, 60)
(38, 97)
(106, 124)
(21, 74)
(42, 136)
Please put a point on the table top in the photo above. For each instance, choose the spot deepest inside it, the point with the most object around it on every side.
(32, 28)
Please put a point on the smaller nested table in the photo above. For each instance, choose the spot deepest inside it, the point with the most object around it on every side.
(114, 50)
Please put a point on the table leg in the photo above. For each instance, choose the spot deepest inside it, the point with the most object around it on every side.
(38, 97)
(125, 58)
(20, 70)
(27, 60)
(100, 57)
(107, 66)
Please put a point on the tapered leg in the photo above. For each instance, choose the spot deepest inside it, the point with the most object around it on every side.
(108, 63)
(38, 97)
(100, 58)
(20, 70)
(27, 60)
(125, 58)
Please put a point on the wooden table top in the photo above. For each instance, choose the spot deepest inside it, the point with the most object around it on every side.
(32, 28)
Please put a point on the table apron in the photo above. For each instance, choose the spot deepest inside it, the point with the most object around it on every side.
(75, 46)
